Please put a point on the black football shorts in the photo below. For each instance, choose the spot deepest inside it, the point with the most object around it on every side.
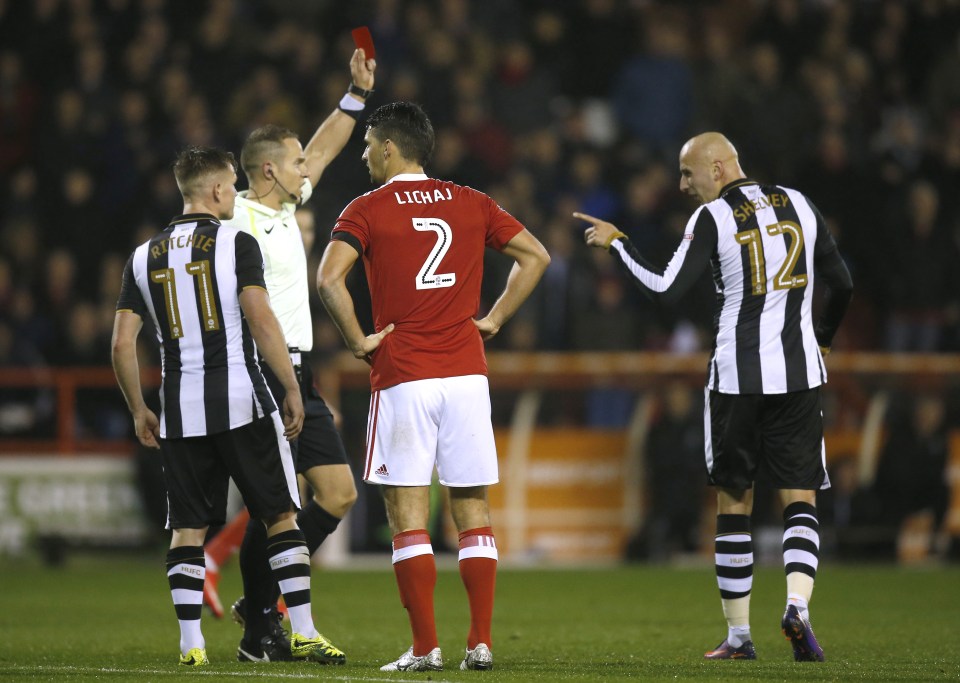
(197, 472)
(319, 443)
(779, 434)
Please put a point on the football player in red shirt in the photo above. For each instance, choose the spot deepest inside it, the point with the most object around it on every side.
(422, 242)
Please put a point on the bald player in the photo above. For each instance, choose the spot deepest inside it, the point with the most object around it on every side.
(765, 244)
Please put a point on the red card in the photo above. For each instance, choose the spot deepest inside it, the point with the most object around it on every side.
(363, 40)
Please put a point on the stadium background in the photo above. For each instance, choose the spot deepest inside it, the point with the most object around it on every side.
(549, 107)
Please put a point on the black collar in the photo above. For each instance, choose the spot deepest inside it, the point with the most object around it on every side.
(740, 182)
(193, 218)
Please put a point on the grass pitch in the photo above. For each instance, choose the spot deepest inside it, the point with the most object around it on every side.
(111, 619)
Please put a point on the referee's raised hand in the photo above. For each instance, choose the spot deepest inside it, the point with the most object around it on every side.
(600, 233)
(362, 69)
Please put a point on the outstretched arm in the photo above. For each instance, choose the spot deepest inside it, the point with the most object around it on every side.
(126, 328)
(663, 285)
(332, 135)
(338, 259)
(531, 260)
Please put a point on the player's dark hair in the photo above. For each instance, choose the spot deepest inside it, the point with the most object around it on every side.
(407, 126)
(263, 144)
(194, 163)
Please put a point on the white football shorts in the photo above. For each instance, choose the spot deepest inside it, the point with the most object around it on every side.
(443, 421)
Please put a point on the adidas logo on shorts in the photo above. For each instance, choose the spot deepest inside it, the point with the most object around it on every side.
(382, 471)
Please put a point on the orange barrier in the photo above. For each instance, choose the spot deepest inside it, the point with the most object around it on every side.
(565, 499)
(508, 370)
(953, 479)
(570, 492)
(66, 382)
(515, 370)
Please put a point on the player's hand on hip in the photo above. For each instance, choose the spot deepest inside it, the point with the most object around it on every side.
(600, 233)
(371, 343)
(361, 70)
(147, 427)
(292, 415)
(488, 329)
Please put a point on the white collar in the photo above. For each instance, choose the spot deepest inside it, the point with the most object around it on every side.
(401, 177)
(285, 208)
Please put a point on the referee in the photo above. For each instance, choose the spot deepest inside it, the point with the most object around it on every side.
(201, 283)
(281, 175)
(765, 244)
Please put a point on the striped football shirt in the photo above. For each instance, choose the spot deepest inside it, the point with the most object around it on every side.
(187, 279)
(765, 244)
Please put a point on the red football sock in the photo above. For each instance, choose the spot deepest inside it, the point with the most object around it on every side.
(416, 572)
(226, 543)
(478, 569)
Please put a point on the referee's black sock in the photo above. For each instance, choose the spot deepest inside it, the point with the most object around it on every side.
(258, 582)
(316, 524)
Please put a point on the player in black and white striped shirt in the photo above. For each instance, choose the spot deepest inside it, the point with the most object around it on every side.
(202, 285)
(765, 244)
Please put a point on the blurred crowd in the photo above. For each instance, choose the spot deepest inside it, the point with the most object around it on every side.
(547, 106)
(550, 106)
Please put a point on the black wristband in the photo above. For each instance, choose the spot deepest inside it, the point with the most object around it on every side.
(358, 91)
(352, 113)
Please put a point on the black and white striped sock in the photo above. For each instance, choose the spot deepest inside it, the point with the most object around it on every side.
(185, 574)
(290, 562)
(801, 552)
(734, 566)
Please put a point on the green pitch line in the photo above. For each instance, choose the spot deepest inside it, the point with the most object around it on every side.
(111, 619)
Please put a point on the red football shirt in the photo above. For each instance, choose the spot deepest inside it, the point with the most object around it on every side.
(422, 242)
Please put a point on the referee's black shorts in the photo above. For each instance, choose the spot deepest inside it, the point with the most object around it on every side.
(197, 471)
(779, 434)
(319, 443)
